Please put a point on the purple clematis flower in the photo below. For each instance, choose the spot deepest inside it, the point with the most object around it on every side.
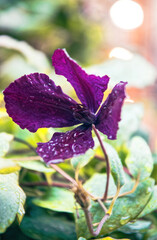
(34, 101)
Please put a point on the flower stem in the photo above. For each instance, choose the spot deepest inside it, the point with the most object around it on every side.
(64, 174)
(90, 225)
(108, 170)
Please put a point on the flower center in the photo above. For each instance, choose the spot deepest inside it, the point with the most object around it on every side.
(83, 114)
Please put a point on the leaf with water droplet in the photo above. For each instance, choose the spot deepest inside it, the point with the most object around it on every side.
(152, 204)
(126, 208)
(12, 199)
(135, 227)
(139, 160)
(116, 165)
(82, 160)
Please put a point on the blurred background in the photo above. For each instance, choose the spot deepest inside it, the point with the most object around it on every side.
(113, 37)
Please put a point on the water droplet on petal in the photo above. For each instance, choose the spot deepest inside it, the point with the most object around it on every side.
(110, 137)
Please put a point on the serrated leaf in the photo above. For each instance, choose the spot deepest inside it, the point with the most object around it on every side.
(140, 160)
(36, 166)
(5, 140)
(82, 160)
(126, 208)
(56, 199)
(12, 199)
(116, 165)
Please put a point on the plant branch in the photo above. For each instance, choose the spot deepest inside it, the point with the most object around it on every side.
(108, 170)
(54, 184)
(90, 225)
(64, 174)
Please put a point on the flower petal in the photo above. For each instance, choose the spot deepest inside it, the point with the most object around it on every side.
(34, 101)
(89, 88)
(109, 113)
(66, 145)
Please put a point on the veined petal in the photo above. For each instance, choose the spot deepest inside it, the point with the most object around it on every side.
(89, 88)
(109, 113)
(34, 101)
(66, 145)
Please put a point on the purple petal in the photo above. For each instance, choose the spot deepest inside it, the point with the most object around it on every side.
(66, 145)
(89, 88)
(109, 113)
(33, 101)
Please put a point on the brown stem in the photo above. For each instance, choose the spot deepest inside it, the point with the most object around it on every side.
(99, 158)
(90, 225)
(64, 174)
(108, 170)
(32, 158)
(54, 184)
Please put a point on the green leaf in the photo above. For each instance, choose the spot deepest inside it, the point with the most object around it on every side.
(126, 208)
(5, 140)
(140, 160)
(36, 166)
(12, 199)
(135, 227)
(116, 165)
(42, 224)
(152, 204)
(137, 67)
(56, 199)
(131, 119)
(96, 185)
(8, 166)
(82, 160)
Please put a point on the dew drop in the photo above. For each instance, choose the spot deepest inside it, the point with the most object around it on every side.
(110, 137)
(124, 220)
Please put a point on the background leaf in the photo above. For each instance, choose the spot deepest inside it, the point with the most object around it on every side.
(36, 165)
(139, 159)
(42, 224)
(5, 140)
(12, 199)
(56, 199)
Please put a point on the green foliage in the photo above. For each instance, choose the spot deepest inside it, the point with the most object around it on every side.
(82, 160)
(36, 165)
(126, 208)
(135, 68)
(139, 160)
(56, 199)
(42, 224)
(116, 165)
(5, 140)
(12, 199)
